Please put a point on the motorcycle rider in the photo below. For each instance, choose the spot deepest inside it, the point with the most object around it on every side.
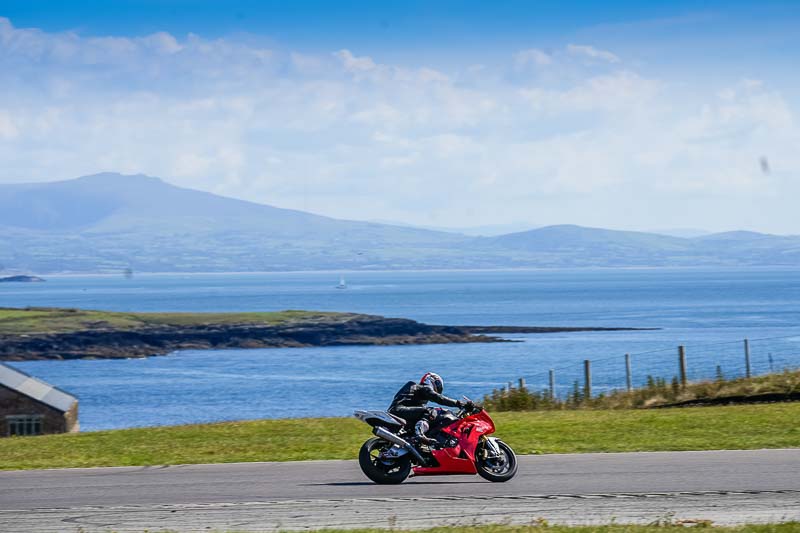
(410, 403)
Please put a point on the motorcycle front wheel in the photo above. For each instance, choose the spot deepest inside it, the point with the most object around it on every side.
(496, 468)
(379, 470)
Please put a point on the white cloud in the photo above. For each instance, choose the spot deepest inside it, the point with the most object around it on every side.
(7, 128)
(364, 67)
(349, 135)
(306, 64)
(163, 42)
(355, 64)
(592, 53)
(624, 92)
(532, 56)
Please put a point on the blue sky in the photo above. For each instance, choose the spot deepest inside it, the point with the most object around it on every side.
(727, 30)
(631, 115)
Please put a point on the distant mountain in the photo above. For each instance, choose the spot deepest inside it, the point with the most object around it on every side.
(739, 237)
(686, 233)
(580, 246)
(104, 203)
(752, 248)
(110, 222)
(489, 230)
(570, 237)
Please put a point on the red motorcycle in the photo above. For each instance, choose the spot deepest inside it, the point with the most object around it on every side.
(458, 444)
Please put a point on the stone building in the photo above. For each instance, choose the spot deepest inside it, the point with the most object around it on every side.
(29, 406)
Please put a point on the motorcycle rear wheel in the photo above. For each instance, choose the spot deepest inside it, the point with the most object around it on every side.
(378, 470)
(496, 469)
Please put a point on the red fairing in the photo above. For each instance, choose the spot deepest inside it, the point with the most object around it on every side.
(460, 459)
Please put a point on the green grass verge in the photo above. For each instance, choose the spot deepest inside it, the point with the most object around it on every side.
(60, 320)
(698, 428)
(665, 526)
(789, 527)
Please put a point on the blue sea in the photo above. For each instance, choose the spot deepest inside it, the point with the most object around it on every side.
(708, 311)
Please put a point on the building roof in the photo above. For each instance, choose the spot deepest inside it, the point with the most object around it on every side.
(34, 388)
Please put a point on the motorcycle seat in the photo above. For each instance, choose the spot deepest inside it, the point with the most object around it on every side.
(380, 418)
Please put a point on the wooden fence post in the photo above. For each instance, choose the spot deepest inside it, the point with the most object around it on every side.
(747, 358)
(587, 377)
(682, 364)
(628, 380)
(552, 384)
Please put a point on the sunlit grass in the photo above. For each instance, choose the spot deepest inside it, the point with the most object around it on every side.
(698, 428)
(63, 320)
(539, 526)
(782, 386)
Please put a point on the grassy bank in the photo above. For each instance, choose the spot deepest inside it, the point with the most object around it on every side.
(706, 428)
(780, 386)
(59, 320)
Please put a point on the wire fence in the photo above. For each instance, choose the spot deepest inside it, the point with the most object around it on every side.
(686, 363)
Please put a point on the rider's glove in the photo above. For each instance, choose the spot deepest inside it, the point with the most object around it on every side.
(468, 405)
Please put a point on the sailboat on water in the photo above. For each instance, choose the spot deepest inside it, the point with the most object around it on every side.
(342, 283)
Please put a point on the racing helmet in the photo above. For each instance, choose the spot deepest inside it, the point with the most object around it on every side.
(433, 381)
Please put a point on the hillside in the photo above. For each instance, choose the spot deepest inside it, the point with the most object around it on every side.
(110, 222)
(579, 246)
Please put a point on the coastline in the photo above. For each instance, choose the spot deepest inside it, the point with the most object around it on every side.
(57, 333)
(599, 268)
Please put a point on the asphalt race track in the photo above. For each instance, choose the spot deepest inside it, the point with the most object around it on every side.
(724, 486)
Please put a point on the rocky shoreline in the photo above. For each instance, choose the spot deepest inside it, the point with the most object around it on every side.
(543, 329)
(110, 343)
(21, 279)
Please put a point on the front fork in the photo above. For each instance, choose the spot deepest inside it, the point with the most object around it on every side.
(490, 447)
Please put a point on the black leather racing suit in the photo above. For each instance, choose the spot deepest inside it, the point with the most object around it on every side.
(409, 403)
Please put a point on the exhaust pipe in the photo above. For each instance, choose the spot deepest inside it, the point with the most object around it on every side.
(394, 439)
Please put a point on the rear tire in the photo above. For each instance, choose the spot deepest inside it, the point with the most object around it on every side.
(379, 471)
(496, 469)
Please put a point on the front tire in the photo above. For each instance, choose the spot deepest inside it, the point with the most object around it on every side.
(497, 469)
(378, 470)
